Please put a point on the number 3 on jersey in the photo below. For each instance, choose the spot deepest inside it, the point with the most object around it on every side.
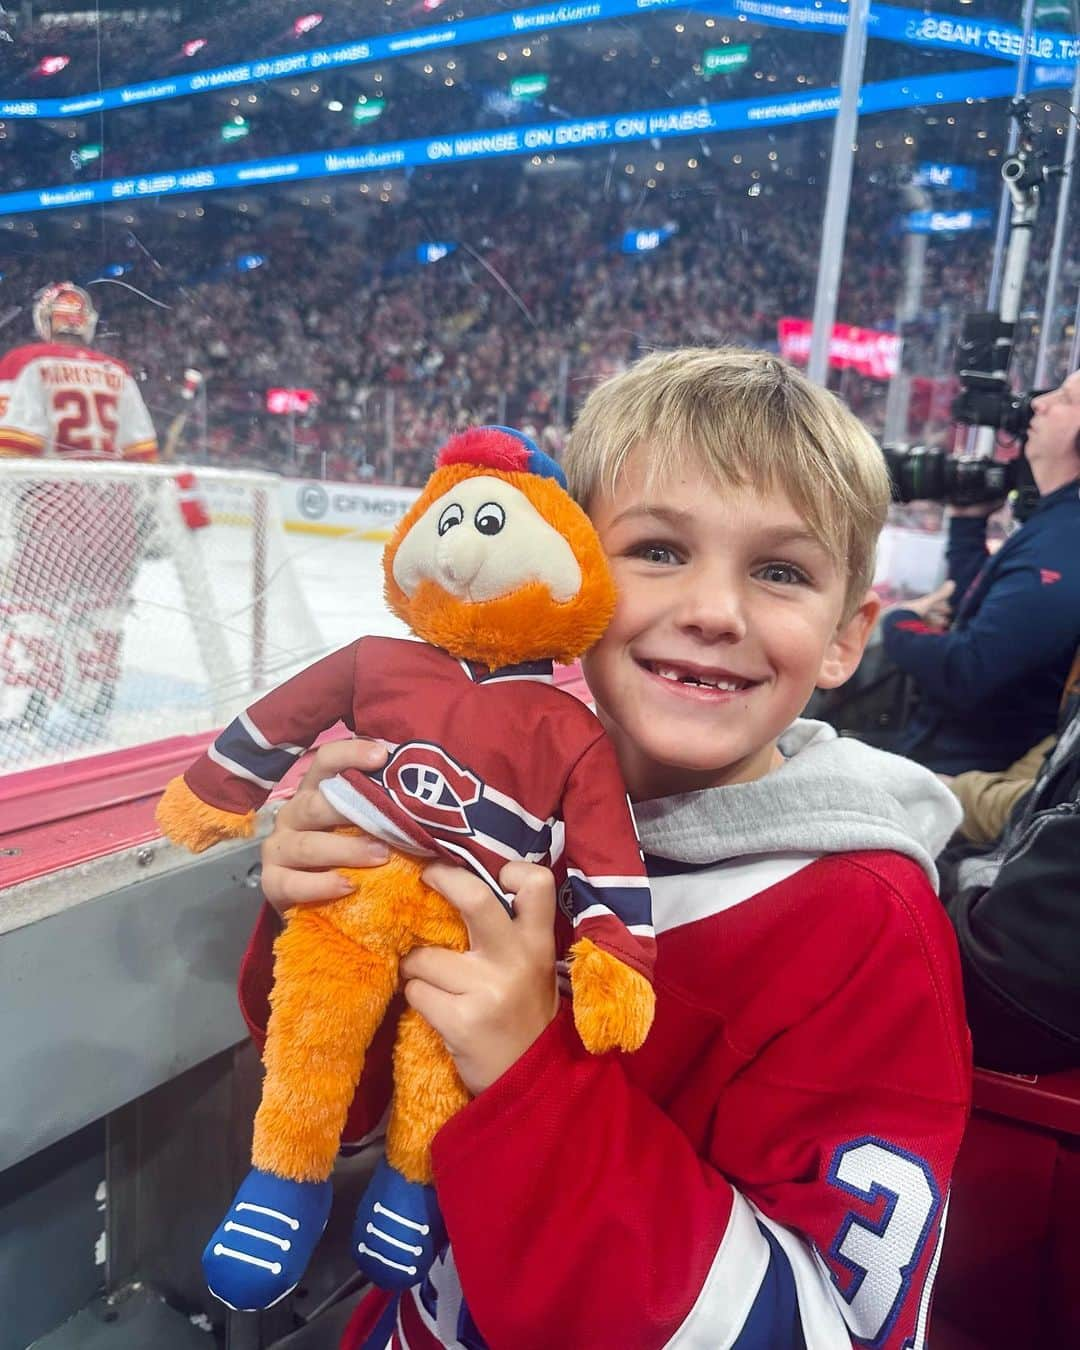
(85, 422)
(882, 1254)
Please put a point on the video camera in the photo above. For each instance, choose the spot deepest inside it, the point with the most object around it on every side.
(925, 473)
(983, 354)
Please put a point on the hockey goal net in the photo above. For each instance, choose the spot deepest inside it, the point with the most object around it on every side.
(139, 602)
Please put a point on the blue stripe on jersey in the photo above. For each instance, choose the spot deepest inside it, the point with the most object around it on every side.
(632, 904)
(235, 743)
(496, 821)
(468, 1333)
(773, 1322)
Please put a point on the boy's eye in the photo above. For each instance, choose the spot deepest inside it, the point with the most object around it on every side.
(783, 574)
(655, 553)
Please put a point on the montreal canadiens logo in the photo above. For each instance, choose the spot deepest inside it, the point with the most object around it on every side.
(433, 788)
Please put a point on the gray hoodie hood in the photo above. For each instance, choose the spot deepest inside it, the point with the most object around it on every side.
(831, 795)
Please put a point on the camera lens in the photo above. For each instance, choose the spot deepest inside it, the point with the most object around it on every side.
(972, 481)
(917, 475)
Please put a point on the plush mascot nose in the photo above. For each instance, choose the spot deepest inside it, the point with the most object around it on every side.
(459, 557)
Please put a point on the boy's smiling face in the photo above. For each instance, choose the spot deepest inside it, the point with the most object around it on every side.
(728, 615)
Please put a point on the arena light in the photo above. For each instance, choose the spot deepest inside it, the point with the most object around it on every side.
(429, 253)
(115, 270)
(723, 60)
(193, 47)
(368, 109)
(86, 154)
(247, 262)
(306, 23)
(644, 241)
(52, 65)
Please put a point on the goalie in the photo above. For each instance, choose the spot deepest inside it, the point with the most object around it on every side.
(71, 545)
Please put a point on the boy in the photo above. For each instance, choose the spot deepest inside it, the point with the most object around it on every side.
(771, 1169)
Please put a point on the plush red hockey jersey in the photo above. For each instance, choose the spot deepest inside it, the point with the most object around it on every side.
(59, 399)
(456, 784)
(769, 1172)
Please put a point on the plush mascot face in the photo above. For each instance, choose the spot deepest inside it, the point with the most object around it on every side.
(495, 563)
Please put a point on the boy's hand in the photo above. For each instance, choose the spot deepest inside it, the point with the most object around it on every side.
(490, 1003)
(300, 853)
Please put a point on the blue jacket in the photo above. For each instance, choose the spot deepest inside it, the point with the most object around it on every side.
(991, 684)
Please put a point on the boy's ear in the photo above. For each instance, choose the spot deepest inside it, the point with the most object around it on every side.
(844, 652)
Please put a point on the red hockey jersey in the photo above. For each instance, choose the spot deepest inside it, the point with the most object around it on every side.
(59, 399)
(456, 784)
(769, 1172)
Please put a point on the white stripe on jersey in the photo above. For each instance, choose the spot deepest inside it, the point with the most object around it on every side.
(601, 911)
(261, 741)
(237, 770)
(558, 841)
(354, 806)
(730, 1287)
(919, 1343)
(823, 1326)
(448, 1299)
(690, 896)
(632, 883)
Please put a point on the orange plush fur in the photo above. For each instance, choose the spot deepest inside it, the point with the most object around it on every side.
(336, 964)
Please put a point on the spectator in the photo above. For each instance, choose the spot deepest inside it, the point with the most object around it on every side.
(1015, 913)
(990, 681)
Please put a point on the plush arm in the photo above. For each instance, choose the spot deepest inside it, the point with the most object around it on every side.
(219, 794)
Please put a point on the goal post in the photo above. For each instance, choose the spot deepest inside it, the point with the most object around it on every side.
(126, 617)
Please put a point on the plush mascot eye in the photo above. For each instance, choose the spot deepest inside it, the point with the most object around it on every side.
(453, 515)
(490, 518)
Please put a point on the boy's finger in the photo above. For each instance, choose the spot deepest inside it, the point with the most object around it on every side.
(283, 887)
(490, 926)
(308, 810)
(533, 889)
(311, 849)
(446, 970)
(435, 1005)
(336, 756)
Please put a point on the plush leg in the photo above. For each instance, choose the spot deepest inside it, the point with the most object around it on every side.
(613, 1004)
(398, 1230)
(329, 996)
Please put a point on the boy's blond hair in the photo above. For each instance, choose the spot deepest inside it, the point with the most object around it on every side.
(753, 420)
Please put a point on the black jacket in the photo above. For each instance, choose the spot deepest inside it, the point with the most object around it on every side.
(1016, 912)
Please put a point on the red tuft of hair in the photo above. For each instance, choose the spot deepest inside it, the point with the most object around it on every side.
(485, 447)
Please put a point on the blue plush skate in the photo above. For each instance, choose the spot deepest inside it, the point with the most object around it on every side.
(398, 1230)
(261, 1248)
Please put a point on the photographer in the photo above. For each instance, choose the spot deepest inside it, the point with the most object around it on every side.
(991, 680)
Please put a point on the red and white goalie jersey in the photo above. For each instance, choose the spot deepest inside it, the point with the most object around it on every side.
(57, 399)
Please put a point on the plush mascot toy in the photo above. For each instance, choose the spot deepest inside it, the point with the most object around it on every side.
(500, 574)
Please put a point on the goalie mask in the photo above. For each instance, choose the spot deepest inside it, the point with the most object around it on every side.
(64, 308)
